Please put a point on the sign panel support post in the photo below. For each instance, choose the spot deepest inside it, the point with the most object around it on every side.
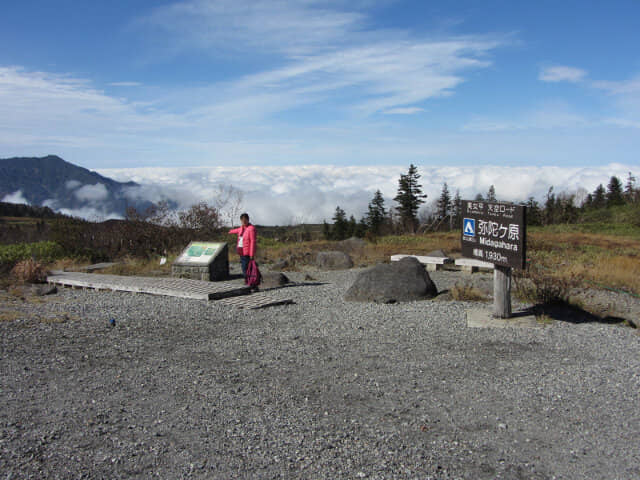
(501, 291)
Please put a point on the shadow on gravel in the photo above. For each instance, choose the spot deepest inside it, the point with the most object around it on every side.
(571, 313)
(235, 276)
(294, 284)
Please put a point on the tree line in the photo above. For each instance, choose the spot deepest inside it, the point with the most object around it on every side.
(446, 212)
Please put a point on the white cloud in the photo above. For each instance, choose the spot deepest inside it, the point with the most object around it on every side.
(294, 27)
(547, 116)
(626, 99)
(375, 77)
(627, 87)
(95, 213)
(71, 184)
(561, 73)
(292, 194)
(404, 111)
(92, 193)
(15, 197)
(623, 122)
(90, 213)
(125, 84)
(322, 48)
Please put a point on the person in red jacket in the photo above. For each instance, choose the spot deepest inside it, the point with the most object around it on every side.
(246, 246)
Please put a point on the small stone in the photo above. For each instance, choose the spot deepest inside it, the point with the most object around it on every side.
(333, 261)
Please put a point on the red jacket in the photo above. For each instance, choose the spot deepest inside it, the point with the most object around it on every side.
(248, 236)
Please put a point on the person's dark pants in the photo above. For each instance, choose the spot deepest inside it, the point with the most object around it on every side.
(244, 262)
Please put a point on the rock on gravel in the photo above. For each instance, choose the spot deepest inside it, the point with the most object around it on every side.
(401, 281)
(333, 260)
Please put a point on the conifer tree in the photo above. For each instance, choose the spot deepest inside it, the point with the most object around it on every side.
(377, 214)
(409, 198)
(361, 228)
(340, 225)
(456, 210)
(491, 194)
(550, 210)
(351, 227)
(444, 202)
(599, 197)
(630, 191)
(534, 216)
(326, 230)
(614, 192)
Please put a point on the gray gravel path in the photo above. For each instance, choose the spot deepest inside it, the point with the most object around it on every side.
(319, 389)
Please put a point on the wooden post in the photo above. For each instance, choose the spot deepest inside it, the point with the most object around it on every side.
(502, 292)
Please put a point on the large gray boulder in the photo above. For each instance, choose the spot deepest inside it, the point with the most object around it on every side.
(401, 281)
(333, 261)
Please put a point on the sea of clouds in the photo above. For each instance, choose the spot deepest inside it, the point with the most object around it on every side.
(282, 195)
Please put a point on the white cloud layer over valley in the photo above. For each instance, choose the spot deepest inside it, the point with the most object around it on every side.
(280, 195)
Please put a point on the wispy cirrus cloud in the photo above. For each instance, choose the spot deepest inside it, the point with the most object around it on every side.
(125, 84)
(562, 73)
(625, 87)
(626, 98)
(325, 50)
(322, 56)
(546, 116)
(291, 27)
(403, 111)
(68, 106)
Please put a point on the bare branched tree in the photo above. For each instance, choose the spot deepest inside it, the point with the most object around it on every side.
(228, 202)
(162, 214)
(201, 217)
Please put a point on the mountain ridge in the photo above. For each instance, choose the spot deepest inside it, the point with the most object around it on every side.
(52, 181)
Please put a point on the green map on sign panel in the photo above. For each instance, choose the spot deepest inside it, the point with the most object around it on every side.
(200, 252)
(196, 251)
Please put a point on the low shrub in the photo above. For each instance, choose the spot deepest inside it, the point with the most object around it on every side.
(45, 252)
(467, 293)
(29, 271)
(536, 287)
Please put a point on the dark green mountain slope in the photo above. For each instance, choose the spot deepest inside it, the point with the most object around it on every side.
(61, 184)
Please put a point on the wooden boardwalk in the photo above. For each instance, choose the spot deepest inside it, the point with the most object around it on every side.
(173, 287)
(233, 294)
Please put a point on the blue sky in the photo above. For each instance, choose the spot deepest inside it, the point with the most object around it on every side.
(234, 82)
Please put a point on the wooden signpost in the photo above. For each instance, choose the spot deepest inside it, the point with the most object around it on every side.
(496, 233)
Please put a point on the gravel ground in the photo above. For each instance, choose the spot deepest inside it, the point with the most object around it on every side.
(318, 389)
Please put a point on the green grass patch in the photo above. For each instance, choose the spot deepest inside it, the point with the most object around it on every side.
(45, 252)
(594, 228)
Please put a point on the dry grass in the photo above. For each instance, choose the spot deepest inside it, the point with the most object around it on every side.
(29, 271)
(588, 259)
(10, 315)
(615, 271)
(380, 251)
(141, 267)
(467, 293)
(67, 264)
